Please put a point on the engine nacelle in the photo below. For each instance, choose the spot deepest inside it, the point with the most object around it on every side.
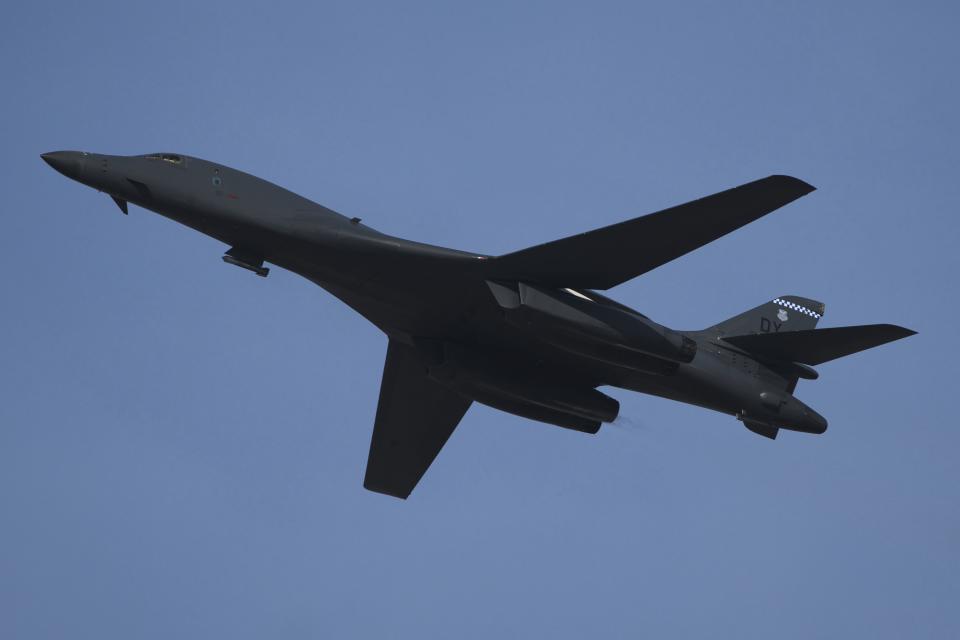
(511, 387)
(576, 323)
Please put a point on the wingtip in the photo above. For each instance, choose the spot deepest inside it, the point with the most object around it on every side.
(385, 489)
(897, 332)
(796, 183)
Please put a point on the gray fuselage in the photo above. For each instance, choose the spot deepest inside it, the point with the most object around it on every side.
(422, 294)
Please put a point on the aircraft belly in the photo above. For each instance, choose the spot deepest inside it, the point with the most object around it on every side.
(706, 382)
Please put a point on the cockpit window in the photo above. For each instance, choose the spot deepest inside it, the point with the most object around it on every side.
(172, 158)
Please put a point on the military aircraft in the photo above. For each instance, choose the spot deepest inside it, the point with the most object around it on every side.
(525, 332)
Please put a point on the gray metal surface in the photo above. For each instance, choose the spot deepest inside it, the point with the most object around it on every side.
(524, 332)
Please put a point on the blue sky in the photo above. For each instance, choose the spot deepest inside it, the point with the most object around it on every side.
(182, 443)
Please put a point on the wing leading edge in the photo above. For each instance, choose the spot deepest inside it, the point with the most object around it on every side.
(606, 257)
(415, 417)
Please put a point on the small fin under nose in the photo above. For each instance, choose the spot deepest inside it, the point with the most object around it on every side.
(120, 203)
(246, 260)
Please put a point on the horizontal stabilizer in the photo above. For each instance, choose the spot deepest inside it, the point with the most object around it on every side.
(606, 257)
(816, 346)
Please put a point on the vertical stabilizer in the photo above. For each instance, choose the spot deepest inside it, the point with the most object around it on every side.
(784, 313)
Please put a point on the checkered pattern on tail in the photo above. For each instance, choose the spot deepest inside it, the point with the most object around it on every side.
(799, 307)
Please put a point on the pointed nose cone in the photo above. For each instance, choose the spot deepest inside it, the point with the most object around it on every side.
(66, 162)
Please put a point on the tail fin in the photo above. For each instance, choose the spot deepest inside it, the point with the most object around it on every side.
(786, 313)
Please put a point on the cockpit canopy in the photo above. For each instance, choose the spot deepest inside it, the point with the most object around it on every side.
(165, 157)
